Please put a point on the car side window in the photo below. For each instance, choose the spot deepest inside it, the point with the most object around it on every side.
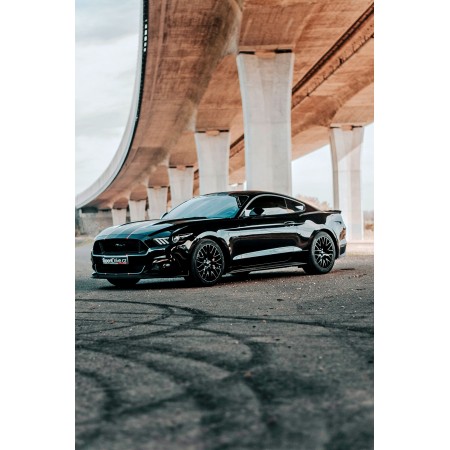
(267, 206)
(295, 206)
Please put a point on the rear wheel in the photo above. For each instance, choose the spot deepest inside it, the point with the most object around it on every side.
(322, 254)
(122, 282)
(207, 263)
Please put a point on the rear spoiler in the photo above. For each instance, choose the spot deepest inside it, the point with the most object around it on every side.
(336, 211)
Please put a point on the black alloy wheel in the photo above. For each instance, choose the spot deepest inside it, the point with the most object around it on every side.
(123, 282)
(207, 263)
(322, 254)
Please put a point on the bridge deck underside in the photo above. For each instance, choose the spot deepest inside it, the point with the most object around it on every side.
(191, 81)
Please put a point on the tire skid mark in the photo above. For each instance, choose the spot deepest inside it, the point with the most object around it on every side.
(124, 327)
(113, 409)
(320, 324)
(143, 409)
(202, 315)
(118, 313)
(198, 318)
(258, 363)
(259, 358)
(168, 313)
(348, 341)
(210, 396)
(111, 403)
(111, 300)
(203, 392)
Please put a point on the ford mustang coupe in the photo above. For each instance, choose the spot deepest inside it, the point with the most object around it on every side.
(215, 234)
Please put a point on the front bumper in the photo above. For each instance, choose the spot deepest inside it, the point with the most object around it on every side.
(156, 263)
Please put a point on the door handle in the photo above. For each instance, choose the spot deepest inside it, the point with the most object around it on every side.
(290, 223)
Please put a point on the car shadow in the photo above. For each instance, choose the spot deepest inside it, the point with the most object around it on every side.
(180, 283)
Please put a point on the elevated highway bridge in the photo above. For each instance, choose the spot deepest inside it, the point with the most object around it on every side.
(229, 91)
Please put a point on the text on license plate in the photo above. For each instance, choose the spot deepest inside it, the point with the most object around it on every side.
(116, 260)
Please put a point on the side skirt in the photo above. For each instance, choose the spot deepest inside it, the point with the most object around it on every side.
(267, 267)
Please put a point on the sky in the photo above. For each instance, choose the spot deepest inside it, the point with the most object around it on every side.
(105, 62)
(106, 46)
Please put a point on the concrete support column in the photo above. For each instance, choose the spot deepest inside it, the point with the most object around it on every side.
(266, 89)
(137, 210)
(119, 216)
(181, 184)
(157, 202)
(346, 159)
(213, 153)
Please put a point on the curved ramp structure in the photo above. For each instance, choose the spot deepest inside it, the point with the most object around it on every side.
(285, 73)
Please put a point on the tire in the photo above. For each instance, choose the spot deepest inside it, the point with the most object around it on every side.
(123, 282)
(207, 263)
(322, 254)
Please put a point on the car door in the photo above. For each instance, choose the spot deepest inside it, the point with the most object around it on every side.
(266, 234)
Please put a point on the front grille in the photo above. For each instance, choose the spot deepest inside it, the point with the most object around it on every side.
(119, 247)
(120, 268)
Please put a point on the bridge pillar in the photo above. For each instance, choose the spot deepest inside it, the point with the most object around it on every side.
(213, 152)
(346, 160)
(181, 184)
(266, 90)
(137, 210)
(119, 216)
(157, 201)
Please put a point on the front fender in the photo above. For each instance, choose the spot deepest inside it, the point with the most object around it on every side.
(216, 237)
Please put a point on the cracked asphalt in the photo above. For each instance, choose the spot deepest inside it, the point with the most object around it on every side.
(282, 360)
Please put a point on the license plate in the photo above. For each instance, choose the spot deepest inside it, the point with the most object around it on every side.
(116, 260)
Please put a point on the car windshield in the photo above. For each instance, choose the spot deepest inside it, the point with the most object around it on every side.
(208, 207)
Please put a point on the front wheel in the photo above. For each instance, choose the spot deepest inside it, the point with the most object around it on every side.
(207, 263)
(322, 254)
(122, 282)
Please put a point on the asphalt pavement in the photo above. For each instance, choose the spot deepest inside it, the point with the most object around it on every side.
(282, 360)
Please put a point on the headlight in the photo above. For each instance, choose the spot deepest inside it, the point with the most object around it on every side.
(180, 237)
(161, 241)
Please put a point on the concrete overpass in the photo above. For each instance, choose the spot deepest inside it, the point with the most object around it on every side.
(233, 90)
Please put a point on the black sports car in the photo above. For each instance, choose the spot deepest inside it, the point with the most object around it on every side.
(214, 234)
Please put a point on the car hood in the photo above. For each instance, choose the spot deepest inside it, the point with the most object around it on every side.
(145, 228)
